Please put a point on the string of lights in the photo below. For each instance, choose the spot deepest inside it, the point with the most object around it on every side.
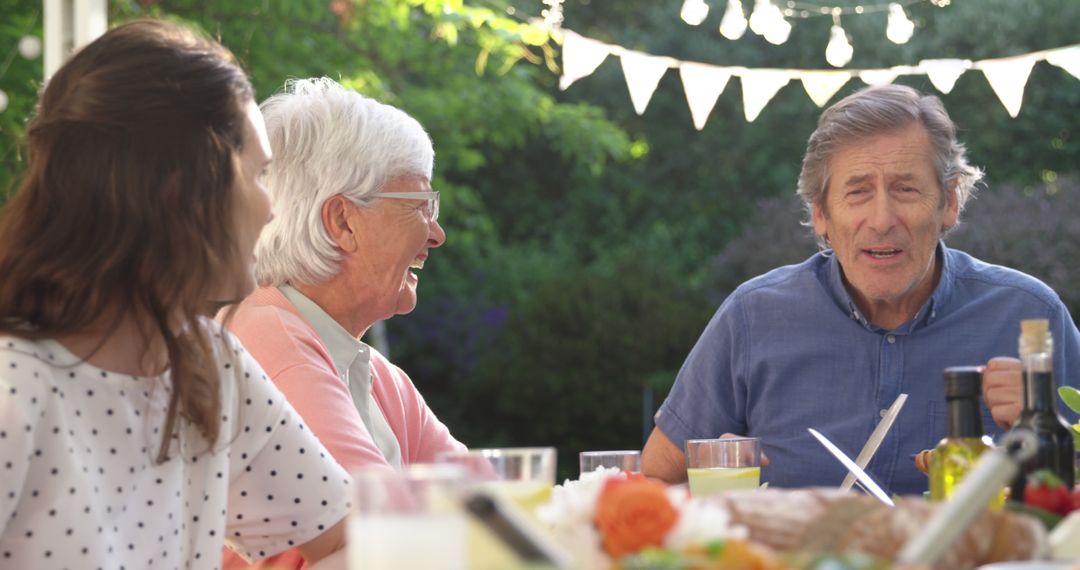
(770, 21)
(808, 10)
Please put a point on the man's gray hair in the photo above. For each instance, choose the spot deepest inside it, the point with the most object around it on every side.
(876, 110)
(327, 140)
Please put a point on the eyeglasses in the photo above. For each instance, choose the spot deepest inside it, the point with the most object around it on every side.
(431, 208)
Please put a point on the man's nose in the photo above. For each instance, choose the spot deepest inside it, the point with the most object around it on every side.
(883, 213)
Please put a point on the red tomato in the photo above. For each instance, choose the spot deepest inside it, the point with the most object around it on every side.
(1076, 499)
(1045, 491)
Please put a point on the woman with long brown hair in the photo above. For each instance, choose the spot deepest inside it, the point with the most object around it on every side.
(134, 431)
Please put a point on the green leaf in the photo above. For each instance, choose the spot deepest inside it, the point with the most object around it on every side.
(1047, 518)
(1071, 397)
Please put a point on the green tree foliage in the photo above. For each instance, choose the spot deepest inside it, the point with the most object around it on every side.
(19, 80)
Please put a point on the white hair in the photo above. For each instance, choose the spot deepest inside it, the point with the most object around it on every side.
(327, 140)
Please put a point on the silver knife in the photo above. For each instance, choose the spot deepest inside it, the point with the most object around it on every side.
(861, 475)
(875, 440)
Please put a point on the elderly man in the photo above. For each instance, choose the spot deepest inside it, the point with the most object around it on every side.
(882, 310)
(355, 217)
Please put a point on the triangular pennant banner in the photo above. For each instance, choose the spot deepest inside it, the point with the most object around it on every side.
(581, 56)
(1008, 77)
(758, 88)
(703, 85)
(877, 76)
(943, 73)
(643, 73)
(1067, 59)
(822, 85)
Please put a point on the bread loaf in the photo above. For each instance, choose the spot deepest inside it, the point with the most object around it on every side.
(829, 520)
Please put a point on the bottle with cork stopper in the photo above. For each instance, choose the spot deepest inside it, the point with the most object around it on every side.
(1056, 451)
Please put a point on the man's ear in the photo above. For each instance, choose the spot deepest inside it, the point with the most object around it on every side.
(338, 218)
(820, 220)
(952, 207)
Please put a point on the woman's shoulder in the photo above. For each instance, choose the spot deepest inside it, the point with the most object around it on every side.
(28, 364)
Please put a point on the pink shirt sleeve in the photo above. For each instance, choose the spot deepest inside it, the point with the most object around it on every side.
(299, 365)
(420, 433)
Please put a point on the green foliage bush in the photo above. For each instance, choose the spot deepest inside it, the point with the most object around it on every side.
(570, 365)
(1035, 229)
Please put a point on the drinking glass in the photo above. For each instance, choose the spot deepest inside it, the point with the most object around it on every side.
(408, 519)
(521, 475)
(628, 461)
(718, 465)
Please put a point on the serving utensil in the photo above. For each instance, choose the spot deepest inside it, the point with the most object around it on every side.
(876, 437)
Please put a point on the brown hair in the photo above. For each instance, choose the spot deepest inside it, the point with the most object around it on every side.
(126, 205)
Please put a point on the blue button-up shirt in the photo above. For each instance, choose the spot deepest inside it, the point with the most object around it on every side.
(789, 350)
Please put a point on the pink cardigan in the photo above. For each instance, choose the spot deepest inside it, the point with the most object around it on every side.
(292, 354)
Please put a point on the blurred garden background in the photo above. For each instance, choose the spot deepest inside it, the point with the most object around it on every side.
(588, 245)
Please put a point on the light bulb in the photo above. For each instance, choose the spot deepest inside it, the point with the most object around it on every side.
(694, 11)
(759, 18)
(779, 29)
(733, 25)
(900, 27)
(30, 47)
(838, 53)
(767, 20)
(3, 101)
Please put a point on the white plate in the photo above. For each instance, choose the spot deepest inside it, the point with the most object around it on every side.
(1033, 565)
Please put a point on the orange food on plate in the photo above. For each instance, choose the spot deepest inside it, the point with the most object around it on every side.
(632, 514)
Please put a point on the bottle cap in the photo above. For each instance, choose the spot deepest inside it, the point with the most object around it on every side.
(1035, 336)
(963, 382)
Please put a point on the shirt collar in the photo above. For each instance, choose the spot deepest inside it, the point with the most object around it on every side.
(926, 315)
(343, 347)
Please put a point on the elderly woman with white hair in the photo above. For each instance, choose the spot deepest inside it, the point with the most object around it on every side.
(355, 215)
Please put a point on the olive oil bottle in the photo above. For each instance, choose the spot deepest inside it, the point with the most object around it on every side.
(1040, 414)
(964, 439)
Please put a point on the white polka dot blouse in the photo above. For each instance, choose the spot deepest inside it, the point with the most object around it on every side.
(80, 488)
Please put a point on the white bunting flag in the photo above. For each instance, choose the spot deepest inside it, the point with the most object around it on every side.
(643, 73)
(758, 88)
(877, 76)
(581, 56)
(822, 85)
(703, 85)
(1008, 77)
(943, 73)
(1067, 59)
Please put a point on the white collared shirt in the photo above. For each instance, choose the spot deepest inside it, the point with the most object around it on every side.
(352, 358)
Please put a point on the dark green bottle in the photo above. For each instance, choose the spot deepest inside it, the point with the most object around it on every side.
(1056, 451)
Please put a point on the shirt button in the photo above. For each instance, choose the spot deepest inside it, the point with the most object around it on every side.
(891, 339)
(883, 412)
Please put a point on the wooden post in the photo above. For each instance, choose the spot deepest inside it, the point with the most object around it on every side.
(69, 25)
